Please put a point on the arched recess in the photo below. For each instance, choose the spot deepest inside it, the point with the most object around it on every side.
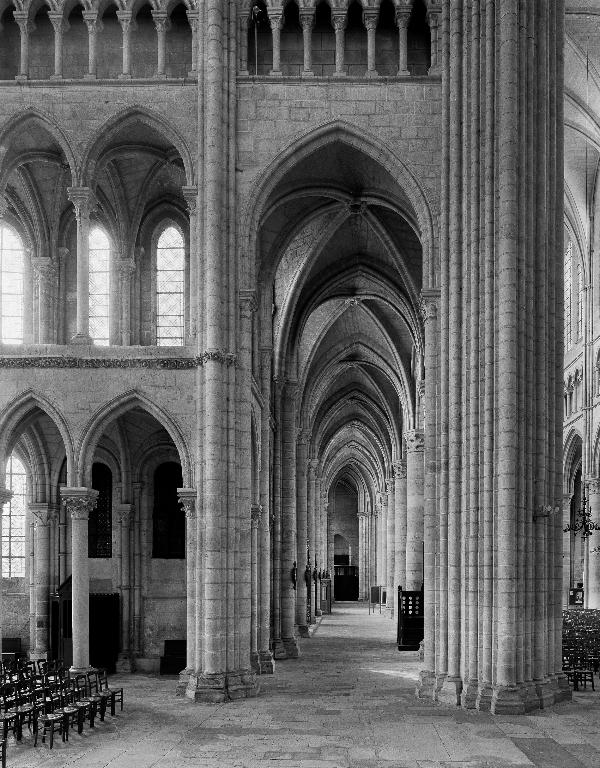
(24, 410)
(10, 42)
(412, 199)
(122, 128)
(116, 408)
(571, 459)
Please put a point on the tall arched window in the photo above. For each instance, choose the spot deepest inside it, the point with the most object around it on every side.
(13, 520)
(168, 518)
(100, 523)
(170, 283)
(11, 286)
(99, 257)
(568, 294)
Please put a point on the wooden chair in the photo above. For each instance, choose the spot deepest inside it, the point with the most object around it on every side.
(82, 697)
(116, 694)
(50, 722)
(95, 694)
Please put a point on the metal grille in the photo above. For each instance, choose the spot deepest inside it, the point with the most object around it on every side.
(100, 525)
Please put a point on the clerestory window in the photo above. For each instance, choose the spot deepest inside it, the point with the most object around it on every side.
(568, 294)
(99, 282)
(170, 285)
(13, 521)
(12, 264)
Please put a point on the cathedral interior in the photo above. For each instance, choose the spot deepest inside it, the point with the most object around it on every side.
(298, 299)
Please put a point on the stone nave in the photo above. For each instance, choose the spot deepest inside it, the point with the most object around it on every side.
(299, 285)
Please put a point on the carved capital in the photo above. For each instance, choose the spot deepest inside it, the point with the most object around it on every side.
(218, 356)
(370, 19)
(83, 200)
(593, 484)
(126, 21)
(43, 514)
(248, 303)
(79, 502)
(59, 23)
(187, 499)
(256, 511)
(389, 485)
(402, 17)
(415, 440)
(26, 25)
(124, 514)
(276, 18)
(44, 270)
(126, 267)
(190, 195)
(161, 21)
(92, 22)
(339, 21)
(400, 470)
(307, 19)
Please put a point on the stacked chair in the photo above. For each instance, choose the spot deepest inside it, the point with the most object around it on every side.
(43, 698)
(581, 646)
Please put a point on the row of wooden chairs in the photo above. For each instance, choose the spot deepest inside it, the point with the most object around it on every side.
(55, 706)
(581, 646)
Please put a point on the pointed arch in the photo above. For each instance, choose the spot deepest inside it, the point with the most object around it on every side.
(117, 407)
(121, 120)
(305, 145)
(572, 446)
(18, 409)
(33, 113)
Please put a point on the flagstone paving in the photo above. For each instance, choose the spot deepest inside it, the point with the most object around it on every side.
(347, 702)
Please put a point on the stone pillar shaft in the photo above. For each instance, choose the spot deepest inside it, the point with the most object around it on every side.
(390, 541)
(592, 588)
(25, 27)
(94, 25)
(82, 199)
(161, 22)
(59, 25)
(371, 25)
(276, 24)
(399, 530)
(43, 518)
(339, 25)
(414, 509)
(307, 20)
(127, 23)
(79, 503)
(302, 528)
(289, 548)
(402, 19)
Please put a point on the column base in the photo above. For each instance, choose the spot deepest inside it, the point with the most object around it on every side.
(508, 700)
(318, 612)
(125, 663)
(124, 76)
(302, 630)
(540, 693)
(292, 650)
(160, 76)
(275, 73)
(89, 76)
(308, 74)
(484, 697)
(370, 74)
(563, 691)
(403, 73)
(80, 670)
(218, 687)
(255, 662)
(267, 663)
(450, 691)
(21, 78)
(279, 651)
(56, 77)
(426, 686)
(434, 71)
(468, 696)
(81, 338)
(339, 74)
(184, 681)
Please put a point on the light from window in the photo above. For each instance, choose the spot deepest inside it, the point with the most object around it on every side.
(11, 286)
(579, 300)
(13, 521)
(170, 275)
(99, 257)
(568, 278)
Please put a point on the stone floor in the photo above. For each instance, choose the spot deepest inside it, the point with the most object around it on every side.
(348, 702)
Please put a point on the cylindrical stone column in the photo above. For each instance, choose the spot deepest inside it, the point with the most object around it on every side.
(137, 569)
(433, 16)
(190, 195)
(390, 542)
(276, 20)
(255, 517)
(124, 514)
(127, 26)
(126, 269)
(5, 497)
(289, 549)
(339, 25)
(192, 16)
(370, 19)
(567, 553)
(402, 19)
(45, 276)
(161, 22)
(79, 503)
(94, 26)
(415, 472)
(399, 529)
(302, 618)
(26, 27)
(243, 22)
(82, 199)
(307, 20)
(187, 499)
(43, 517)
(60, 25)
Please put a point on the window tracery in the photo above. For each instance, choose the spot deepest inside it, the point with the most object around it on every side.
(13, 521)
(99, 282)
(12, 265)
(170, 284)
